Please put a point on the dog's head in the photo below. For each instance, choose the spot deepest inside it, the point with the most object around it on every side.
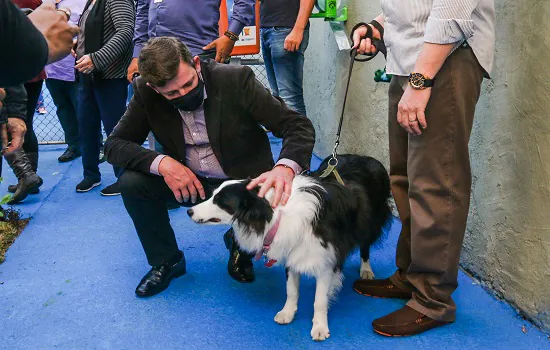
(231, 204)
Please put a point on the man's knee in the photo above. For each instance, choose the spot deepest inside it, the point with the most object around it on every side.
(133, 183)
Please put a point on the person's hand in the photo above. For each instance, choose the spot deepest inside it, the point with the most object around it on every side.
(293, 40)
(181, 180)
(57, 31)
(16, 128)
(411, 110)
(132, 69)
(279, 178)
(2, 94)
(365, 46)
(85, 64)
(223, 46)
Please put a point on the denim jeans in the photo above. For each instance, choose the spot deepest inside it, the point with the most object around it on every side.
(285, 70)
(99, 101)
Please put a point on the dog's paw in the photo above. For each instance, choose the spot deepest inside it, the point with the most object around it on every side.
(320, 332)
(367, 275)
(284, 317)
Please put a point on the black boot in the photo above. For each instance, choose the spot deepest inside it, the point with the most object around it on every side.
(28, 180)
(33, 159)
(240, 265)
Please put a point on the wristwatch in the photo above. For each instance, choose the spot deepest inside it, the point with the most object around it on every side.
(419, 81)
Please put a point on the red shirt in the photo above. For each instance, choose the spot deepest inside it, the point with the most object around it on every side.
(32, 4)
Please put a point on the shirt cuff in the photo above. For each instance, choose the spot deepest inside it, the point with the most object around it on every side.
(154, 169)
(448, 31)
(137, 50)
(236, 27)
(291, 164)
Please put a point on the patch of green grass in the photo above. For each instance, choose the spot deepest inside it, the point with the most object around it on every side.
(11, 225)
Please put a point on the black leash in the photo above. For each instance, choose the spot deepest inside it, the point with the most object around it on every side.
(380, 47)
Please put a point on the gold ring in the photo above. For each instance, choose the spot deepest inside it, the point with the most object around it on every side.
(66, 11)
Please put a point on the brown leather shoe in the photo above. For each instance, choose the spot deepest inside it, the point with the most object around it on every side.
(404, 322)
(380, 289)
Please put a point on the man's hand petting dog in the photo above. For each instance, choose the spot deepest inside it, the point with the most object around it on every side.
(181, 180)
(279, 178)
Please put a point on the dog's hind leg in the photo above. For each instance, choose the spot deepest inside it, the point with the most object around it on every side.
(327, 284)
(286, 315)
(365, 272)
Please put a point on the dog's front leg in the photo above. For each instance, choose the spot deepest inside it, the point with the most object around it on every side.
(323, 291)
(286, 315)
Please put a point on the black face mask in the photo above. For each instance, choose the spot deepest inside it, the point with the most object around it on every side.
(191, 100)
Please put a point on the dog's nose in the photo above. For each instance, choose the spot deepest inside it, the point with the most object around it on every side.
(190, 212)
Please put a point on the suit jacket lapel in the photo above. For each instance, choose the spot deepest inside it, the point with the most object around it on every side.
(173, 122)
(212, 113)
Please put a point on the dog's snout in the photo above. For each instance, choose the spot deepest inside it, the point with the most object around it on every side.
(190, 212)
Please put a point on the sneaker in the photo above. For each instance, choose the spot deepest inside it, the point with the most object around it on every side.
(69, 155)
(111, 190)
(86, 185)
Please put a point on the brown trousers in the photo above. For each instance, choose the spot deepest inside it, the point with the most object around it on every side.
(430, 180)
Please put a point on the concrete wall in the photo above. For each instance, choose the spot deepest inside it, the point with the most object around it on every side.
(507, 244)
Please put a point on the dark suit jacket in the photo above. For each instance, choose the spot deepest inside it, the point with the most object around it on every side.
(236, 106)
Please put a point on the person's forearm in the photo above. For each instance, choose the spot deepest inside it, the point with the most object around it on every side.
(306, 6)
(431, 58)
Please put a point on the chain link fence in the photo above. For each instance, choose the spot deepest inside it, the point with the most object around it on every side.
(48, 129)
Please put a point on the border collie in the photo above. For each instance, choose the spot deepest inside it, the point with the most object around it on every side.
(313, 234)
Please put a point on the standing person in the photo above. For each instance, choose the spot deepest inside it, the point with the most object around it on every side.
(448, 45)
(103, 53)
(33, 88)
(285, 37)
(63, 87)
(194, 23)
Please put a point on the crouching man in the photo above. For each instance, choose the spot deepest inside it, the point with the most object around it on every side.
(208, 118)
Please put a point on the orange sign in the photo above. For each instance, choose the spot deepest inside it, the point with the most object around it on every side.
(249, 39)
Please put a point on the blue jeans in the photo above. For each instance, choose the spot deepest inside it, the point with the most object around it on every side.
(285, 70)
(99, 101)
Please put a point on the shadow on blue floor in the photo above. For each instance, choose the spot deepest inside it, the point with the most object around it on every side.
(68, 282)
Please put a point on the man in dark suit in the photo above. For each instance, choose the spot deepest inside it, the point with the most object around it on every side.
(208, 118)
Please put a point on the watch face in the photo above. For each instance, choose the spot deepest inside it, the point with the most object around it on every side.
(417, 80)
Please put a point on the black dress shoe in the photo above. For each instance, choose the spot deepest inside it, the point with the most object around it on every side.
(69, 155)
(240, 265)
(159, 277)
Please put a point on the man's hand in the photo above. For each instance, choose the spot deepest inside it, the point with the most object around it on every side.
(57, 31)
(411, 110)
(280, 178)
(85, 64)
(181, 180)
(16, 128)
(2, 94)
(132, 69)
(293, 40)
(365, 46)
(223, 46)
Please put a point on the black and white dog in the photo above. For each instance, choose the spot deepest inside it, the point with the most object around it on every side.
(313, 234)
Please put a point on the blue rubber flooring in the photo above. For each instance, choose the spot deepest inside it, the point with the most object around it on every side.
(68, 282)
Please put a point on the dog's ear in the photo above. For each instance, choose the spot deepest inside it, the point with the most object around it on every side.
(255, 189)
(254, 212)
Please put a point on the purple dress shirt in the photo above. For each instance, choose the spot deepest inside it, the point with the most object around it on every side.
(200, 157)
(194, 22)
(64, 69)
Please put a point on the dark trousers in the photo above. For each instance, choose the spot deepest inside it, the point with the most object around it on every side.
(145, 197)
(98, 101)
(30, 144)
(65, 98)
(430, 180)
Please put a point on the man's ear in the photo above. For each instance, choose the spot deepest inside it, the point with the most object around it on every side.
(197, 62)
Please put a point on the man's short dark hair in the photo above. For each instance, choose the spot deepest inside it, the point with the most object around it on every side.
(160, 58)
